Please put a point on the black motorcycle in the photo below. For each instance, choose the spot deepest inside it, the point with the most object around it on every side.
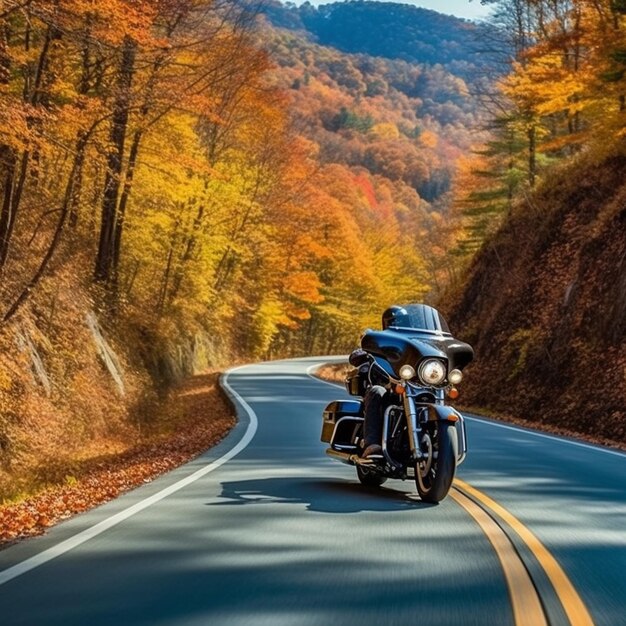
(418, 362)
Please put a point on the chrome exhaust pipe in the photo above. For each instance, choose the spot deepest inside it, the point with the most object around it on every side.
(349, 458)
(344, 457)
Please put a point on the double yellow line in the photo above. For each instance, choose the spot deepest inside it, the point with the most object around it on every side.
(527, 606)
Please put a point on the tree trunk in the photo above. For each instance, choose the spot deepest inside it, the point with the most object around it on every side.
(188, 246)
(8, 158)
(532, 155)
(32, 283)
(121, 209)
(105, 270)
(9, 163)
(162, 298)
(14, 185)
(220, 269)
(5, 57)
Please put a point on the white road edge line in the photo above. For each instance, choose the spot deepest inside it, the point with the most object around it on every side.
(528, 431)
(89, 533)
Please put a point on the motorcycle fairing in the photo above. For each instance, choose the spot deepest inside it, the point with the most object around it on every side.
(400, 348)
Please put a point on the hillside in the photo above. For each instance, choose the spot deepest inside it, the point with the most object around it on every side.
(386, 29)
(403, 121)
(545, 305)
(545, 299)
(387, 134)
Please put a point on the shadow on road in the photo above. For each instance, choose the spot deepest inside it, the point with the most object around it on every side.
(326, 496)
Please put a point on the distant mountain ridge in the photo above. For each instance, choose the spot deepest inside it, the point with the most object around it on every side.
(384, 29)
(400, 104)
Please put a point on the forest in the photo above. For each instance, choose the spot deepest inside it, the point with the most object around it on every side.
(387, 29)
(193, 183)
(184, 184)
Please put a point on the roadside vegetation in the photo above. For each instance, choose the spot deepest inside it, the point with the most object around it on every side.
(195, 416)
(544, 300)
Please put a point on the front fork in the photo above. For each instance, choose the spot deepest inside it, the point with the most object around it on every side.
(414, 426)
(439, 412)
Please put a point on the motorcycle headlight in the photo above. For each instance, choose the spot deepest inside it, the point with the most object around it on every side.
(432, 372)
(407, 372)
(455, 377)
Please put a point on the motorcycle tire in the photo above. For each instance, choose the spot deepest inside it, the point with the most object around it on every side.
(434, 484)
(369, 479)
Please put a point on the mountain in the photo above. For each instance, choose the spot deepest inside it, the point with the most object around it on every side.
(386, 132)
(385, 29)
(404, 121)
(400, 105)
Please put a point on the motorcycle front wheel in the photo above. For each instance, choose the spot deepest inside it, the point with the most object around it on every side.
(368, 478)
(434, 476)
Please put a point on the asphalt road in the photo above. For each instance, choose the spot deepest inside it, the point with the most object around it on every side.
(281, 534)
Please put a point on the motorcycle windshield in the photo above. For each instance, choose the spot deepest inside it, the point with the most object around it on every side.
(422, 318)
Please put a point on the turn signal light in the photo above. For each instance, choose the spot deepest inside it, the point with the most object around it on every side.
(400, 390)
(453, 393)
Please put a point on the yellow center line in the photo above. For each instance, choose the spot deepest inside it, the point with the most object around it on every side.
(573, 605)
(527, 609)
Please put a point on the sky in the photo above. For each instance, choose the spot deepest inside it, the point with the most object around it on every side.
(460, 8)
(470, 9)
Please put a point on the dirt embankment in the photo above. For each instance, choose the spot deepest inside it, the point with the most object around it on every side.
(194, 417)
(333, 372)
(87, 406)
(545, 306)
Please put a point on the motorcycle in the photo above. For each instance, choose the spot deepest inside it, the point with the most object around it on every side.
(419, 363)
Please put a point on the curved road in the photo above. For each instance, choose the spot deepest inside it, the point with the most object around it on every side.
(265, 529)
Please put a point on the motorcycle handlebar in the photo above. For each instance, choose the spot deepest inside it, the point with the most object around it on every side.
(358, 357)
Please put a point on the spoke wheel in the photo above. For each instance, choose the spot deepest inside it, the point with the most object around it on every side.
(435, 473)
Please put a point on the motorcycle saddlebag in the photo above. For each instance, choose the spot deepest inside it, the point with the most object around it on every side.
(342, 422)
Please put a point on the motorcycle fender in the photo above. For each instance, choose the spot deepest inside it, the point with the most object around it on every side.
(438, 412)
(443, 413)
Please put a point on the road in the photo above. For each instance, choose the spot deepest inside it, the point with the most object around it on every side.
(277, 533)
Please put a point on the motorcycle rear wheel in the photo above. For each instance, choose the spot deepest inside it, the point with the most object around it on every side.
(368, 478)
(433, 478)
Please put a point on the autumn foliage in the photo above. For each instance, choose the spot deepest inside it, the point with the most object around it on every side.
(194, 417)
(184, 184)
(562, 93)
(544, 305)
